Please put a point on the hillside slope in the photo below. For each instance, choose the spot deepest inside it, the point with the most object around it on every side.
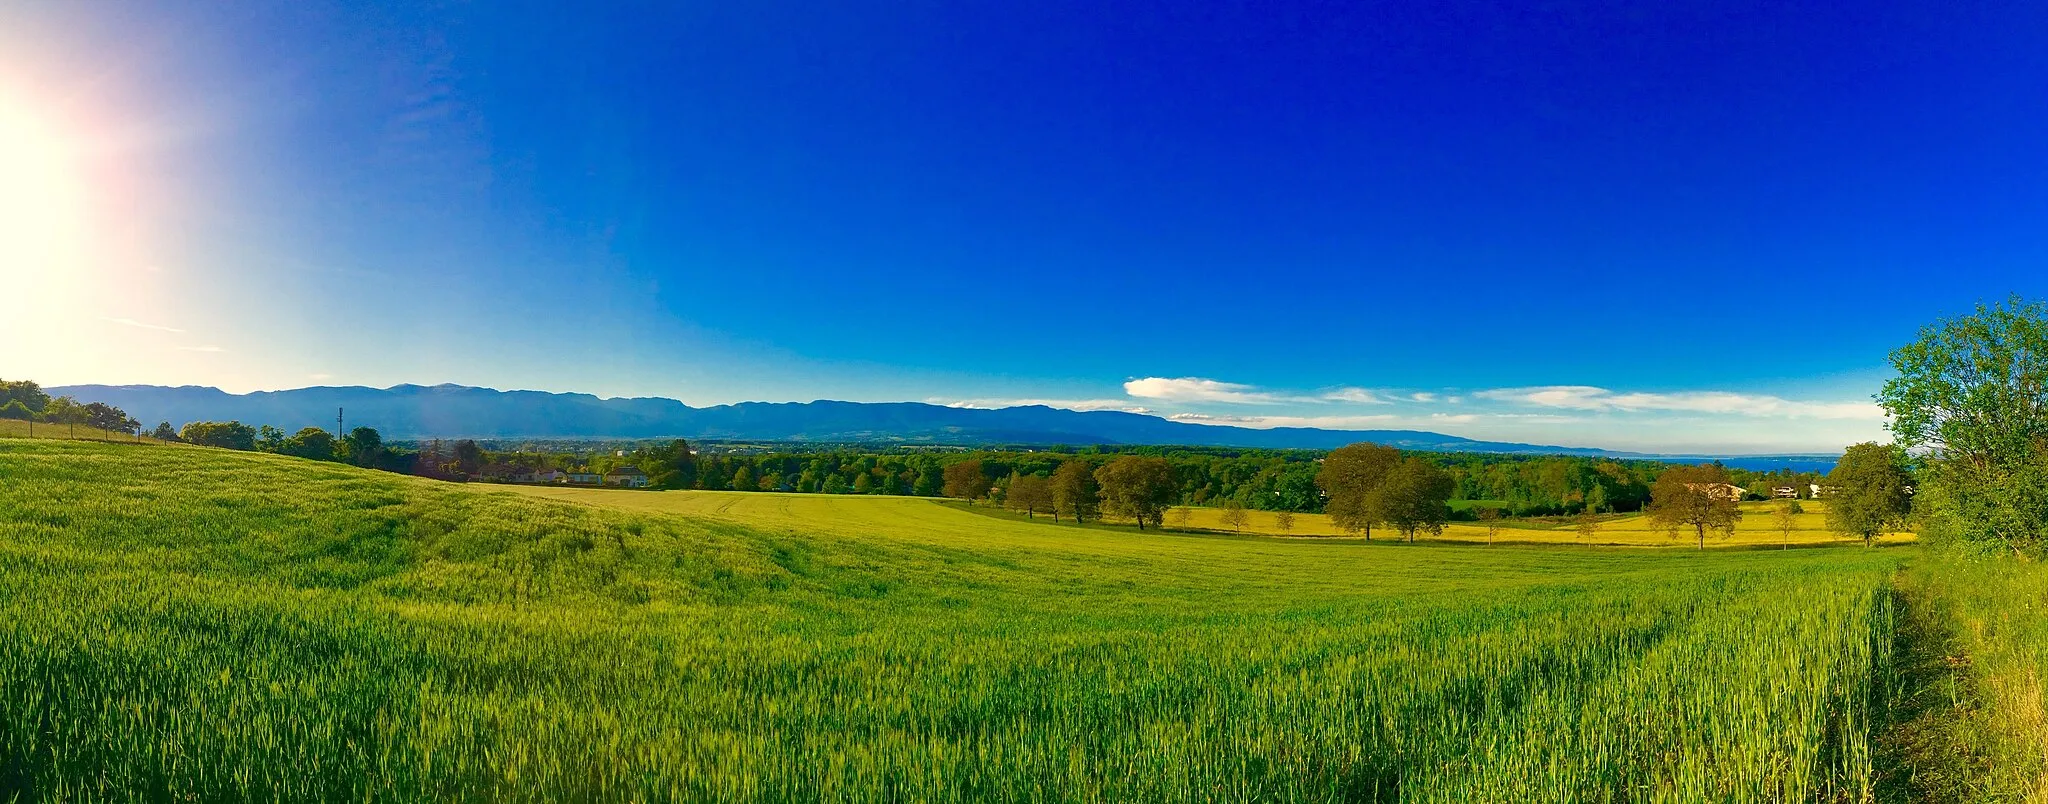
(193, 624)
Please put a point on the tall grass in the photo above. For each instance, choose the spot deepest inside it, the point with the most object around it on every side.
(195, 624)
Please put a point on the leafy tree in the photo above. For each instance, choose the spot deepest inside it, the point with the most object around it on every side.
(1137, 487)
(1694, 497)
(1867, 492)
(1234, 515)
(1349, 477)
(1588, 523)
(743, 480)
(1489, 517)
(363, 446)
(66, 411)
(270, 439)
(466, 457)
(226, 435)
(1283, 521)
(164, 432)
(102, 416)
(17, 411)
(1075, 492)
(1973, 393)
(966, 481)
(863, 483)
(1030, 494)
(1413, 497)
(670, 465)
(311, 443)
(27, 392)
(1785, 520)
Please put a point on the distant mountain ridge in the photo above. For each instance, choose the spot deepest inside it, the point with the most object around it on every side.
(458, 411)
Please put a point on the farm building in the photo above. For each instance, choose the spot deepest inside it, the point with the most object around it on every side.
(1785, 492)
(1723, 491)
(628, 476)
(581, 477)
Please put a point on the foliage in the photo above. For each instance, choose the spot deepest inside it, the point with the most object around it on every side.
(27, 392)
(1075, 492)
(1973, 392)
(195, 625)
(14, 409)
(1349, 477)
(1412, 498)
(1693, 497)
(1283, 521)
(965, 480)
(1028, 493)
(1138, 487)
(226, 435)
(1234, 516)
(1867, 491)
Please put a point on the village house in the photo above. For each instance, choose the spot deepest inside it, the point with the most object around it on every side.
(547, 476)
(1720, 491)
(1785, 492)
(628, 476)
(581, 477)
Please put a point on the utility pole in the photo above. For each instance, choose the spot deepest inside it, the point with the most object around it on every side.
(337, 424)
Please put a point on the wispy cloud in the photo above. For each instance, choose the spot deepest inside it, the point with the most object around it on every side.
(1200, 389)
(320, 375)
(1196, 390)
(130, 322)
(1727, 403)
(200, 349)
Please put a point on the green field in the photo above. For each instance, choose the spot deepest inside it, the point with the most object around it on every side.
(193, 624)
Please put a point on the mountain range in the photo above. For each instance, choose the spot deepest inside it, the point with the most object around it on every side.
(458, 411)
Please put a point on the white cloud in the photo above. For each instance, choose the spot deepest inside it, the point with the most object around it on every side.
(1353, 394)
(1199, 389)
(1422, 396)
(200, 349)
(321, 375)
(130, 322)
(1726, 403)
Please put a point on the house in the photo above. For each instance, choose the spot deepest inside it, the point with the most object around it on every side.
(628, 476)
(1817, 491)
(1720, 491)
(547, 476)
(499, 473)
(581, 477)
(1785, 492)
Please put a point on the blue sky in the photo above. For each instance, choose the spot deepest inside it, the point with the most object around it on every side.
(1673, 227)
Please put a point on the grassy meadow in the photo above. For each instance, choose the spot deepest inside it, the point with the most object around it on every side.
(1755, 529)
(194, 624)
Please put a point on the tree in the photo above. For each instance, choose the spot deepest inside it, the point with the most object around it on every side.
(1283, 521)
(1075, 492)
(1137, 487)
(226, 435)
(27, 392)
(105, 417)
(1867, 492)
(363, 446)
(1588, 524)
(1973, 393)
(1413, 497)
(670, 465)
(17, 411)
(1349, 477)
(1489, 517)
(466, 458)
(66, 411)
(1177, 516)
(1234, 515)
(1783, 519)
(1694, 497)
(1030, 494)
(966, 480)
(311, 443)
(164, 432)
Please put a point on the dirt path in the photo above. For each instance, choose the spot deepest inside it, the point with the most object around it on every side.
(1923, 753)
